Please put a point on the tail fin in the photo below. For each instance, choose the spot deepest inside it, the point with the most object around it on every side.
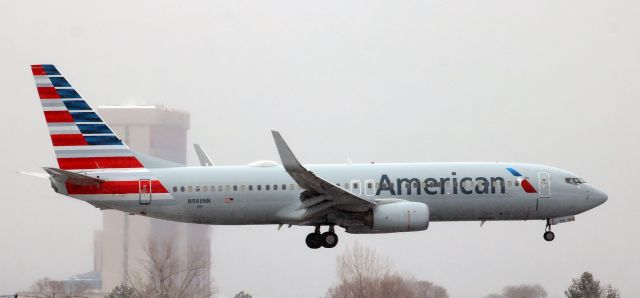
(80, 138)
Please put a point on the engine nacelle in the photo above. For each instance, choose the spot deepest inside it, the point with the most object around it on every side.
(398, 217)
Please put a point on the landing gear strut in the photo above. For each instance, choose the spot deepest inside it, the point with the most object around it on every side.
(316, 240)
(548, 235)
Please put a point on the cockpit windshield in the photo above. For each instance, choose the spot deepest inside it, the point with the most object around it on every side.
(575, 181)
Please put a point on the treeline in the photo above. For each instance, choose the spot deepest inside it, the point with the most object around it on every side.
(362, 273)
(365, 274)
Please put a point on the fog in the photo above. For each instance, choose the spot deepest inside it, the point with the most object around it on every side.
(548, 82)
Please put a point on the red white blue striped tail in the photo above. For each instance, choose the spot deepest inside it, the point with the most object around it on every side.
(80, 138)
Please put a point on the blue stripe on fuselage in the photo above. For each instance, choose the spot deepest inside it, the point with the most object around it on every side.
(514, 172)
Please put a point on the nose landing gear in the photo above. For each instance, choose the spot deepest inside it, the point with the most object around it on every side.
(327, 239)
(548, 235)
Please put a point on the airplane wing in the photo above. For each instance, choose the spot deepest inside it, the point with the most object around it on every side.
(204, 158)
(319, 195)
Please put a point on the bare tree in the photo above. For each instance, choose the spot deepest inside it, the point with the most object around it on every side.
(521, 291)
(363, 273)
(122, 291)
(243, 294)
(166, 274)
(360, 271)
(49, 288)
(524, 291)
(426, 289)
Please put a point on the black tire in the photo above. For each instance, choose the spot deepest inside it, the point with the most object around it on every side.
(314, 240)
(549, 236)
(329, 239)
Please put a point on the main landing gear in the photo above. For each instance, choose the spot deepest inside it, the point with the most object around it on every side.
(316, 240)
(548, 235)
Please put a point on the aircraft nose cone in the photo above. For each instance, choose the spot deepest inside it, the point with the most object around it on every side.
(598, 196)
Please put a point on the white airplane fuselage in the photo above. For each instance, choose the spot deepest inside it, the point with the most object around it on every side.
(452, 192)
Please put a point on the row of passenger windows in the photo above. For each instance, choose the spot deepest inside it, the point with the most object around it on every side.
(355, 186)
(207, 188)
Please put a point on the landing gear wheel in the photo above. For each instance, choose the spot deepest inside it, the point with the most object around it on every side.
(329, 239)
(549, 236)
(314, 240)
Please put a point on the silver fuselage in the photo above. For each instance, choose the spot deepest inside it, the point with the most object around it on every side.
(457, 192)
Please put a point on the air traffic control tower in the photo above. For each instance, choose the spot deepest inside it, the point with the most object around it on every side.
(160, 132)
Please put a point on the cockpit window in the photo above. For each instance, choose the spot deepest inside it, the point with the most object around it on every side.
(574, 181)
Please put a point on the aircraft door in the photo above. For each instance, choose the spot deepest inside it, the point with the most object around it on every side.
(544, 184)
(144, 187)
(369, 187)
(356, 188)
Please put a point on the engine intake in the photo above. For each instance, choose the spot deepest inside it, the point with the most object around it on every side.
(398, 217)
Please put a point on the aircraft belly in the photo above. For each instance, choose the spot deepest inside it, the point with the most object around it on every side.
(470, 209)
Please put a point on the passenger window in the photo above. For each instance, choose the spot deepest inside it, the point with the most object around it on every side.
(227, 188)
(213, 188)
(205, 188)
(291, 187)
(250, 187)
(284, 187)
(197, 188)
(338, 184)
(267, 187)
(190, 188)
(259, 187)
(516, 183)
(369, 185)
(355, 186)
(235, 188)
(175, 189)
(275, 187)
(242, 188)
(219, 187)
(509, 183)
(181, 188)
(346, 186)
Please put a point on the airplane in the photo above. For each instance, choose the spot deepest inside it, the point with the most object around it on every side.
(96, 166)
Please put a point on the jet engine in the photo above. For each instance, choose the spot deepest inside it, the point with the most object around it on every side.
(398, 217)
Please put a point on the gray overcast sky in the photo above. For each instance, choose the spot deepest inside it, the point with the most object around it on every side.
(550, 82)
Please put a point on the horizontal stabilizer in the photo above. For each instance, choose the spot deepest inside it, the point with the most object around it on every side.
(74, 178)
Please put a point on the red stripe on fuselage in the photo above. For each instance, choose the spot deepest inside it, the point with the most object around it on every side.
(527, 186)
(57, 116)
(113, 187)
(48, 93)
(68, 140)
(120, 162)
